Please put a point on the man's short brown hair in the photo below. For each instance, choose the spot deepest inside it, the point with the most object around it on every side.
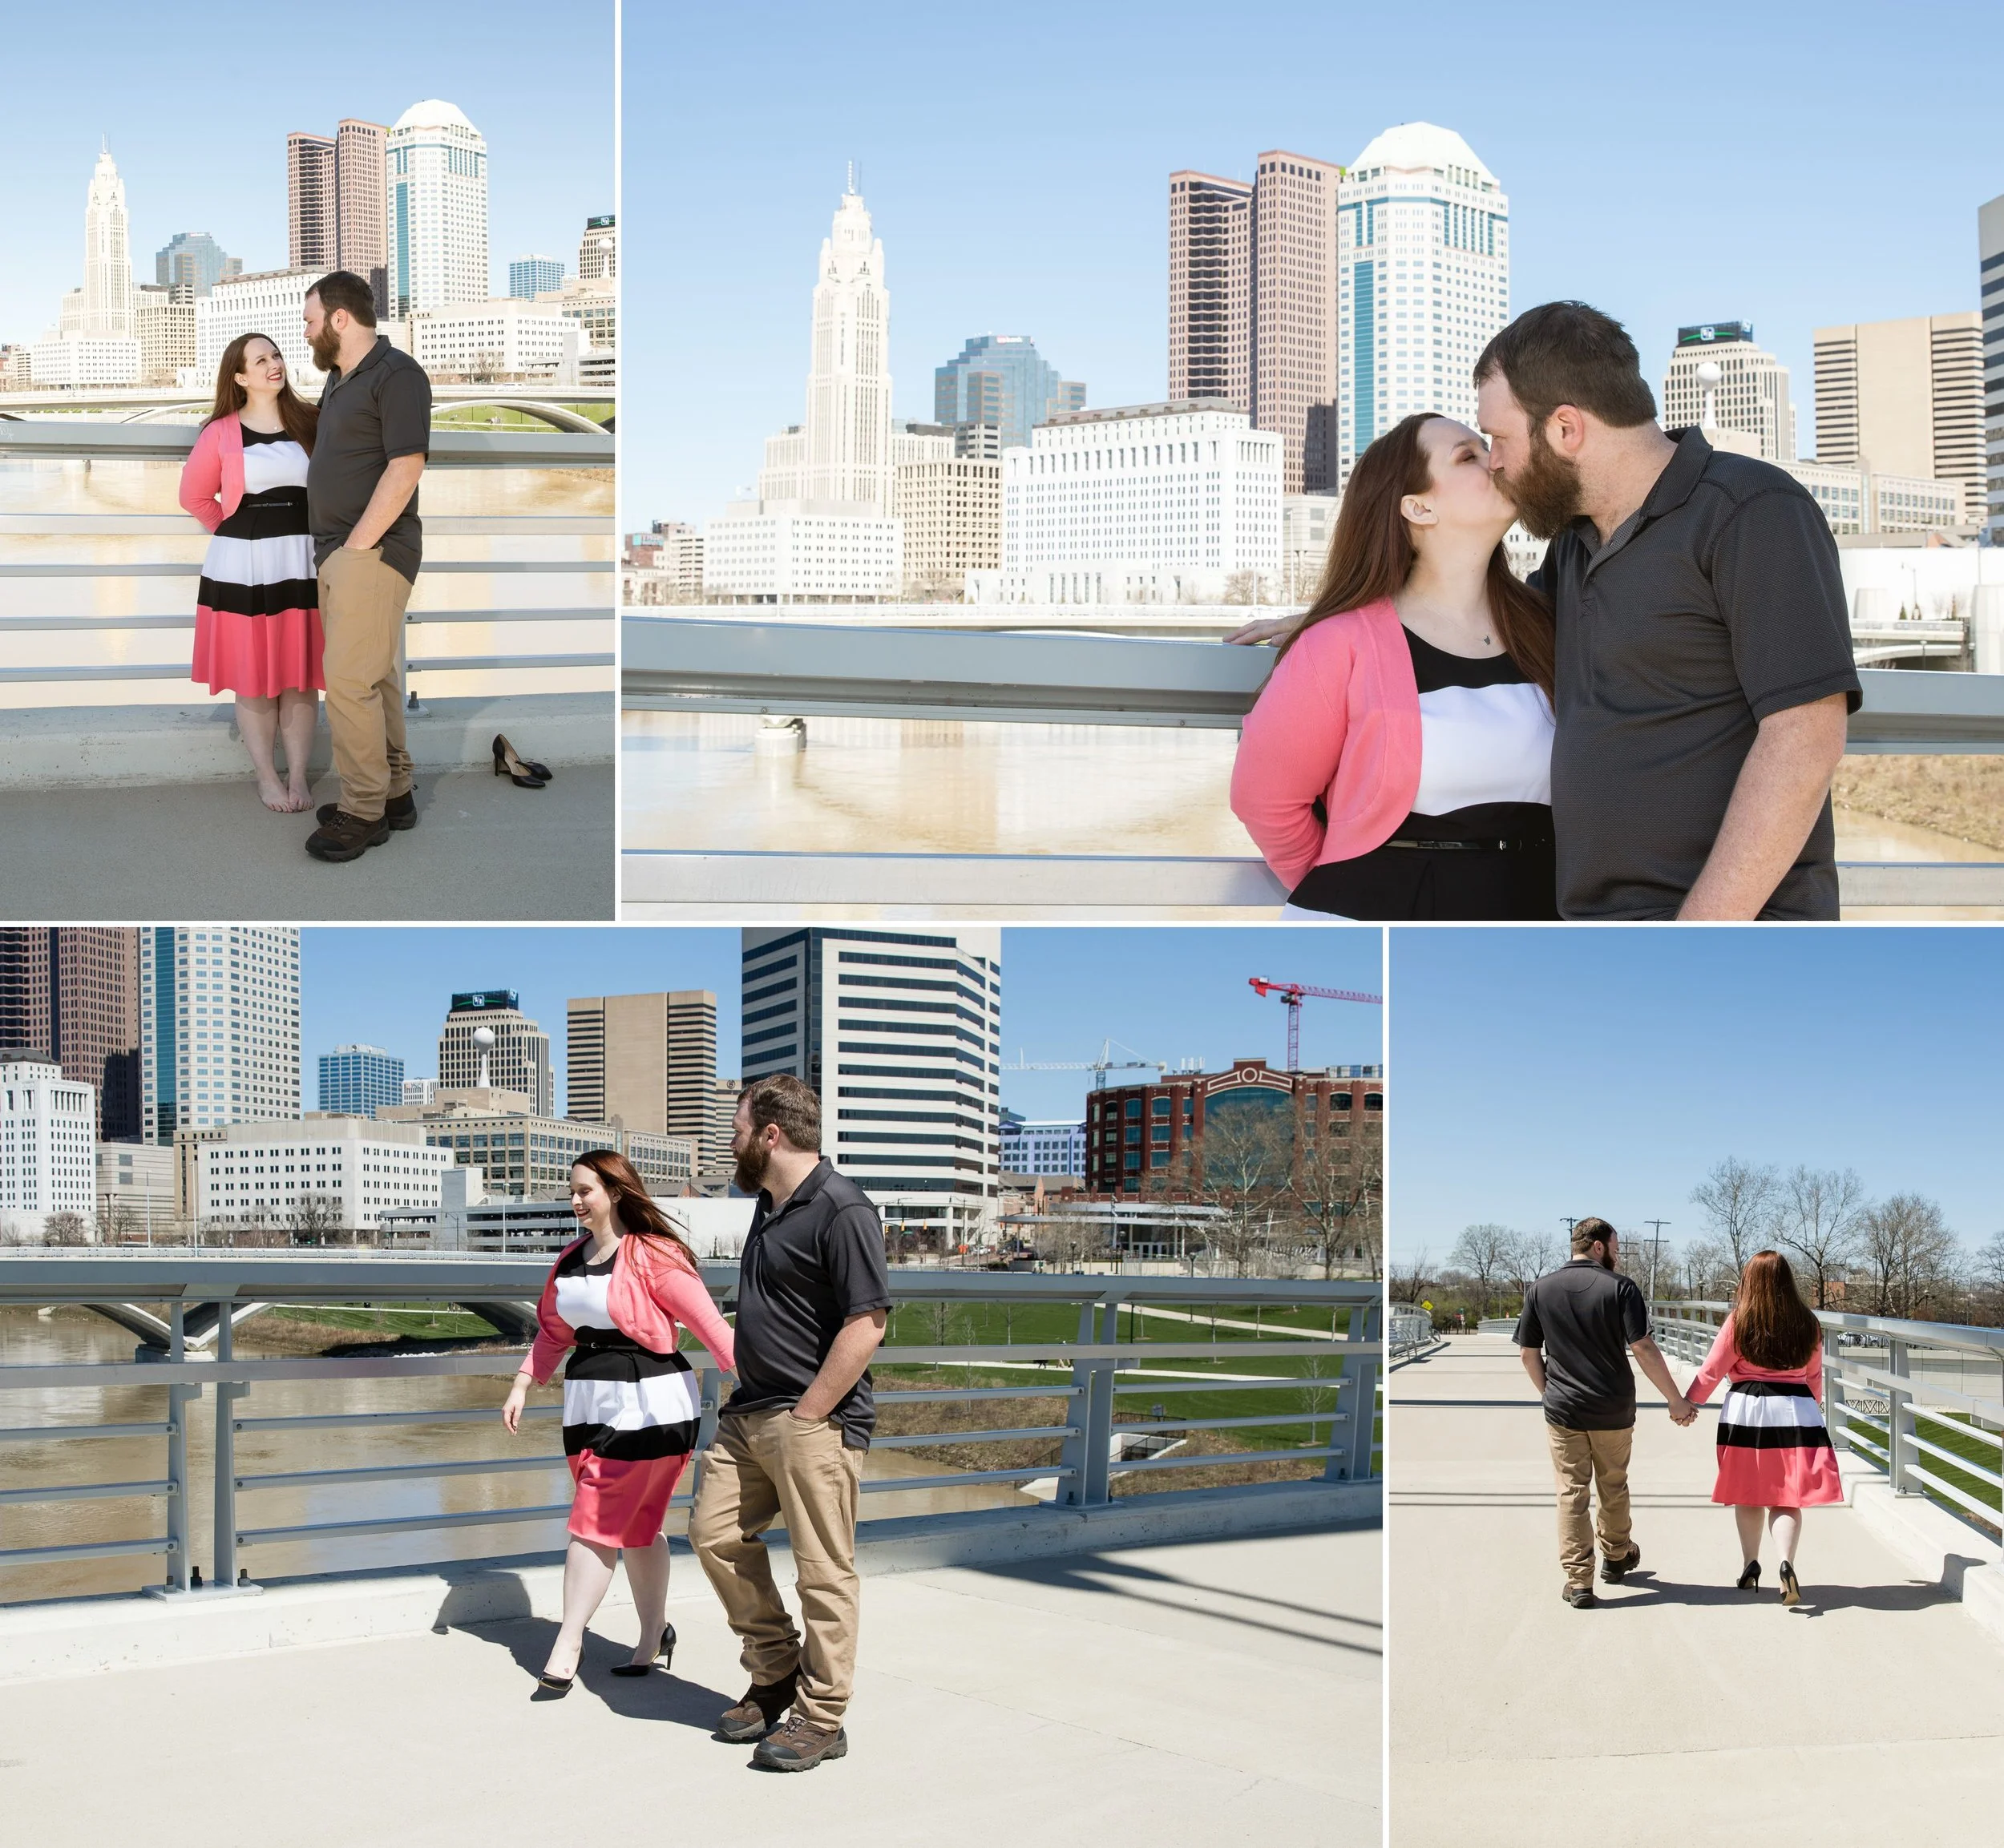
(343, 288)
(791, 1103)
(1588, 1233)
(1565, 353)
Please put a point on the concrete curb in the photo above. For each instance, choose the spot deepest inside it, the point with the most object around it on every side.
(1932, 1541)
(122, 746)
(76, 1637)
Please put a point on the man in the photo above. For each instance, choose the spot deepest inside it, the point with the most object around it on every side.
(1704, 666)
(362, 503)
(812, 1299)
(1580, 1324)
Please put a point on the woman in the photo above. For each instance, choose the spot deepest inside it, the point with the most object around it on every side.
(620, 1296)
(1774, 1452)
(257, 629)
(1398, 763)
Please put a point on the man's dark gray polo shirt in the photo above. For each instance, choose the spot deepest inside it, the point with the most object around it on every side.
(1584, 1316)
(807, 1267)
(380, 410)
(1717, 603)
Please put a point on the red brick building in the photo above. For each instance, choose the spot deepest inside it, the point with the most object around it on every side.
(75, 995)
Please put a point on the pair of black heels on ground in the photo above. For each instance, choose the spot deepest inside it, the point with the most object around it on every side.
(1749, 1580)
(663, 1653)
(525, 774)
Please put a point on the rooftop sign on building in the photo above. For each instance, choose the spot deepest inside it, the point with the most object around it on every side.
(1714, 333)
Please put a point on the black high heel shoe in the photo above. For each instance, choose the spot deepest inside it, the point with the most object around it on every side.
(663, 1653)
(556, 1685)
(529, 775)
(1749, 1580)
(1791, 1586)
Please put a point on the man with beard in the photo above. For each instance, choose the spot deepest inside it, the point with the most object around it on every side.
(1704, 667)
(362, 503)
(812, 1299)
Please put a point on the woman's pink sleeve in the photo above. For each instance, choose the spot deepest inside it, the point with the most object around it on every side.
(554, 1336)
(202, 480)
(1812, 1369)
(679, 1291)
(1718, 1364)
(1288, 749)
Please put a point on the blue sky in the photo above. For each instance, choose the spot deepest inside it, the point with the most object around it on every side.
(196, 108)
(1539, 1073)
(1168, 994)
(1791, 164)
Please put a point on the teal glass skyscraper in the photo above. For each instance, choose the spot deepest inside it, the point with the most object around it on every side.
(1001, 379)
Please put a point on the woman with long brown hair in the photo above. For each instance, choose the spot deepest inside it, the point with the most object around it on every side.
(257, 632)
(1397, 764)
(618, 1299)
(1775, 1451)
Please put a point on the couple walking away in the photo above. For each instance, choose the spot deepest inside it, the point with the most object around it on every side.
(1580, 1324)
(1646, 729)
(813, 1295)
(314, 546)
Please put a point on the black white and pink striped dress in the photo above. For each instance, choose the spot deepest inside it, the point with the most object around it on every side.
(1774, 1448)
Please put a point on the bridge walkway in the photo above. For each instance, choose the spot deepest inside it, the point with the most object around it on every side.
(1677, 1710)
(1189, 1693)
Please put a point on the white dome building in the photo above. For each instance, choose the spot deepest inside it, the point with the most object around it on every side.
(1423, 252)
(436, 162)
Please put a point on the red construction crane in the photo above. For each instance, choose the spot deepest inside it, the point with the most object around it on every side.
(1292, 994)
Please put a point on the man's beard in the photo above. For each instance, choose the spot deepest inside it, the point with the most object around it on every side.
(326, 348)
(751, 1169)
(1546, 490)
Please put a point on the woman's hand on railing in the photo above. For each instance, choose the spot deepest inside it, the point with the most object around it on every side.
(1265, 629)
(511, 1406)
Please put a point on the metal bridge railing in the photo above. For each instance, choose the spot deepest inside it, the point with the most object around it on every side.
(1411, 1333)
(1093, 1371)
(1897, 1393)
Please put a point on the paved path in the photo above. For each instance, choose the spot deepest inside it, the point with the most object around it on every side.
(482, 849)
(1203, 1694)
(1679, 1710)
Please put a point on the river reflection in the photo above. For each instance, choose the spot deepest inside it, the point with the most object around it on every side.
(27, 1338)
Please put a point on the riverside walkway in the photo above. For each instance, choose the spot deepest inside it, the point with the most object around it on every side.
(1678, 1709)
(1213, 1692)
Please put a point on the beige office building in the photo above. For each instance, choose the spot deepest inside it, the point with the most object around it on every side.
(952, 513)
(646, 1061)
(1905, 397)
(1211, 288)
(518, 1059)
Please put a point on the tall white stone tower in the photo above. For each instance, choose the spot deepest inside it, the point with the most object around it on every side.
(108, 258)
(846, 437)
(437, 235)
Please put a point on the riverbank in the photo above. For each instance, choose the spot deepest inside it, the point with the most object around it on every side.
(1961, 796)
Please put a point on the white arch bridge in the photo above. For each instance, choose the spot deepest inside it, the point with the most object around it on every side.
(562, 409)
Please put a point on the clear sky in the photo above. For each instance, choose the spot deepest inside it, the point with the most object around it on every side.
(1539, 1073)
(1793, 164)
(197, 107)
(1168, 994)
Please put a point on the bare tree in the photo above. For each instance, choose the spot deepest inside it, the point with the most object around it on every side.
(1411, 1280)
(1740, 1202)
(1820, 1212)
(1483, 1251)
(1908, 1255)
(1522, 1264)
(1707, 1270)
(315, 1219)
(1986, 1275)
(65, 1229)
(1334, 1189)
(1247, 1176)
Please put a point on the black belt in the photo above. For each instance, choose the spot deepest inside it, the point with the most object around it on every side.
(1489, 845)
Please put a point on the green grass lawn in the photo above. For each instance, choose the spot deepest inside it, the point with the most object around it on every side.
(1954, 1434)
(419, 1318)
(495, 417)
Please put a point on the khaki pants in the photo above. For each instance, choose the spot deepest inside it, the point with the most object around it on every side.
(764, 1465)
(1598, 1459)
(362, 608)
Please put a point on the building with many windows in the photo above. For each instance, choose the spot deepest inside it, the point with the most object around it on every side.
(899, 1033)
(1055, 1151)
(315, 1174)
(802, 551)
(194, 262)
(436, 163)
(1860, 501)
(529, 275)
(336, 190)
(516, 1058)
(136, 1196)
(73, 993)
(1211, 288)
(647, 1061)
(502, 338)
(527, 1154)
(48, 1142)
(219, 1027)
(358, 1080)
(1002, 379)
(272, 302)
(163, 324)
(1989, 258)
(1719, 377)
(951, 511)
(598, 248)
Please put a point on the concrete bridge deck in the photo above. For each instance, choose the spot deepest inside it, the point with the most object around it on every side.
(1677, 1710)
(1205, 1693)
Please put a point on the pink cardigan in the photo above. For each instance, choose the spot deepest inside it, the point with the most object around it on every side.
(1337, 721)
(1726, 1362)
(212, 477)
(651, 1291)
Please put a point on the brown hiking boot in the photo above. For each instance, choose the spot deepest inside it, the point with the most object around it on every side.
(1580, 1597)
(400, 811)
(761, 1710)
(346, 837)
(800, 1745)
(1613, 1571)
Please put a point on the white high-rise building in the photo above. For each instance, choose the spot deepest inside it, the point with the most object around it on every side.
(48, 1145)
(899, 1034)
(272, 302)
(1423, 255)
(325, 1172)
(437, 165)
(1749, 396)
(108, 256)
(1176, 503)
(502, 338)
(219, 1027)
(516, 1057)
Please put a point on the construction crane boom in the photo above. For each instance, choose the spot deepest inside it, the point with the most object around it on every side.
(1293, 993)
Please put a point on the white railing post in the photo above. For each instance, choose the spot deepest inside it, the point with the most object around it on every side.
(228, 1393)
(1898, 1402)
(180, 1566)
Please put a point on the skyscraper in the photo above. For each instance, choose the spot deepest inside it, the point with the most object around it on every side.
(361, 243)
(519, 1059)
(528, 277)
(193, 261)
(1751, 395)
(1001, 379)
(1423, 251)
(219, 1027)
(598, 250)
(1990, 257)
(1293, 333)
(1210, 289)
(107, 259)
(898, 1032)
(648, 1061)
(355, 1080)
(312, 201)
(74, 994)
(45, 1126)
(437, 165)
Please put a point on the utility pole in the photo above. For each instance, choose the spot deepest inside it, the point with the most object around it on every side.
(1655, 1245)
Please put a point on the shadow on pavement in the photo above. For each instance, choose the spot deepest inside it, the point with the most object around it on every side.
(662, 1695)
(1816, 1599)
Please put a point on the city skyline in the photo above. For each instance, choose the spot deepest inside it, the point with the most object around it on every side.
(1076, 252)
(552, 164)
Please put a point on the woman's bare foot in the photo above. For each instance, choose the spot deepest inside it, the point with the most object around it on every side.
(298, 798)
(273, 794)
